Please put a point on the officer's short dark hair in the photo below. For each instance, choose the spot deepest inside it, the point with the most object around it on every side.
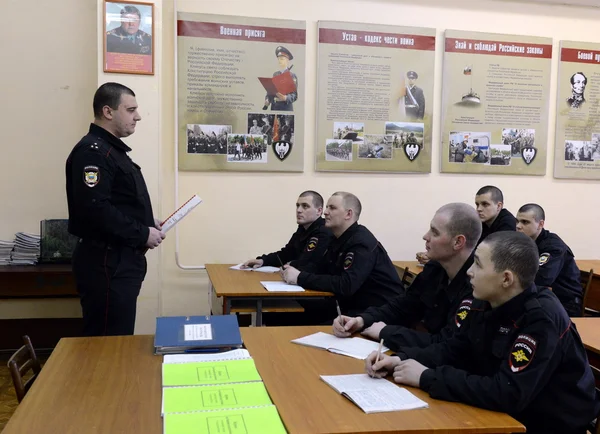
(462, 220)
(350, 201)
(109, 94)
(497, 195)
(317, 199)
(538, 211)
(579, 73)
(516, 252)
(131, 10)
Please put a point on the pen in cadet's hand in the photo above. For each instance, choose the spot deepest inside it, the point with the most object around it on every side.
(379, 350)
(339, 313)
(279, 260)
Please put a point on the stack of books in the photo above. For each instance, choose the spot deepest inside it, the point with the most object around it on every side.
(212, 393)
(26, 250)
(6, 248)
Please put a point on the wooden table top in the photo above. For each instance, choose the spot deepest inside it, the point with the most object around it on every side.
(306, 404)
(236, 283)
(413, 266)
(113, 385)
(95, 386)
(589, 330)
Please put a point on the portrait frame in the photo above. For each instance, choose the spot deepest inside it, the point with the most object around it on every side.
(128, 48)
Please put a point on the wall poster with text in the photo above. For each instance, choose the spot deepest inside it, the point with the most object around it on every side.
(240, 84)
(374, 98)
(495, 101)
(577, 144)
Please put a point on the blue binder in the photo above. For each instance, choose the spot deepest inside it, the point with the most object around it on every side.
(175, 334)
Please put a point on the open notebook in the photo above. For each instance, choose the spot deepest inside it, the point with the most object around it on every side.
(281, 287)
(352, 347)
(373, 395)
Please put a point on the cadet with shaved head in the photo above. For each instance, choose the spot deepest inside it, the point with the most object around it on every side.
(558, 269)
(440, 296)
(356, 267)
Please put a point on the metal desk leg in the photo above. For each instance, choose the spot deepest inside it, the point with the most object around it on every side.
(226, 305)
(259, 313)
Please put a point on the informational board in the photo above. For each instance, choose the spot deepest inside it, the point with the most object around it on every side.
(577, 144)
(374, 98)
(495, 102)
(240, 84)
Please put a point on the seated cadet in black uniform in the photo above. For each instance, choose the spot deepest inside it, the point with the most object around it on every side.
(356, 267)
(489, 202)
(558, 269)
(308, 244)
(517, 352)
(440, 296)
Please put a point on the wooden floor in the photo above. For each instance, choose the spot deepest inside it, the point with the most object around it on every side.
(8, 399)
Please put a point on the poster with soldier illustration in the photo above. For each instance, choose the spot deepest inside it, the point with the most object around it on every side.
(240, 93)
(577, 144)
(374, 98)
(495, 102)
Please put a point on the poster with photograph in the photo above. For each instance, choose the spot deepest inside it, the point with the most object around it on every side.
(374, 98)
(240, 85)
(577, 144)
(128, 37)
(495, 102)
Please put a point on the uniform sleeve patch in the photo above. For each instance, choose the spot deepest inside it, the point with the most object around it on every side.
(91, 176)
(522, 352)
(462, 311)
(348, 260)
(312, 244)
(544, 257)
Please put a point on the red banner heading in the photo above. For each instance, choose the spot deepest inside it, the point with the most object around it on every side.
(376, 39)
(499, 48)
(580, 56)
(241, 32)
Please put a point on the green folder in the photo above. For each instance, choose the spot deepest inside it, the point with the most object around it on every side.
(198, 373)
(223, 396)
(255, 420)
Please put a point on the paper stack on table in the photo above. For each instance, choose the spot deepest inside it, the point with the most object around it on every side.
(275, 286)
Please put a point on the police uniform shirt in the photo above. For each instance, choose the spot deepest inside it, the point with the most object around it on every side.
(358, 270)
(106, 193)
(442, 306)
(524, 358)
(505, 221)
(304, 250)
(119, 41)
(559, 271)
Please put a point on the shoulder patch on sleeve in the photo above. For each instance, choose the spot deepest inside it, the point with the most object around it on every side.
(462, 311)
(312, 244)
(91, 176)
(521, 353)
(348, 260)
(544, 257)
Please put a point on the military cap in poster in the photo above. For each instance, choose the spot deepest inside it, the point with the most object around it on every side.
(412, 75)
(282, 51)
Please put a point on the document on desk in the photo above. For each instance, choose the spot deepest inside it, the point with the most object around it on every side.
(226, 355)
(357, 348)
(373, 395)
(219, 397)
(265, 269)
(281, 287)
(256, 420)
(200, 373)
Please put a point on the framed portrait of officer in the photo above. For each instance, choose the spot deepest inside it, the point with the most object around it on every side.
(128, 37)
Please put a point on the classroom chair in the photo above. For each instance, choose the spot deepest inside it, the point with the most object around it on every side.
(20, 363)
(588, 306)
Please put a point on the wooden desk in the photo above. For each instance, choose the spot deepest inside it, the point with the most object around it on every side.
(245, 286)
(413, 266)
(589, 330)
(113, 385)
(588, 264)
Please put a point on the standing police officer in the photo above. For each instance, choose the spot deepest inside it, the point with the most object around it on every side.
(110, 211)
(414, 100)
(280, 101)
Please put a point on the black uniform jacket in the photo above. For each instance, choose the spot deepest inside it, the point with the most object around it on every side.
(558, 269)
(524, 358)
(107, 197)
(305, 249)
(358, 270)
(505, 221)
(441, 305)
